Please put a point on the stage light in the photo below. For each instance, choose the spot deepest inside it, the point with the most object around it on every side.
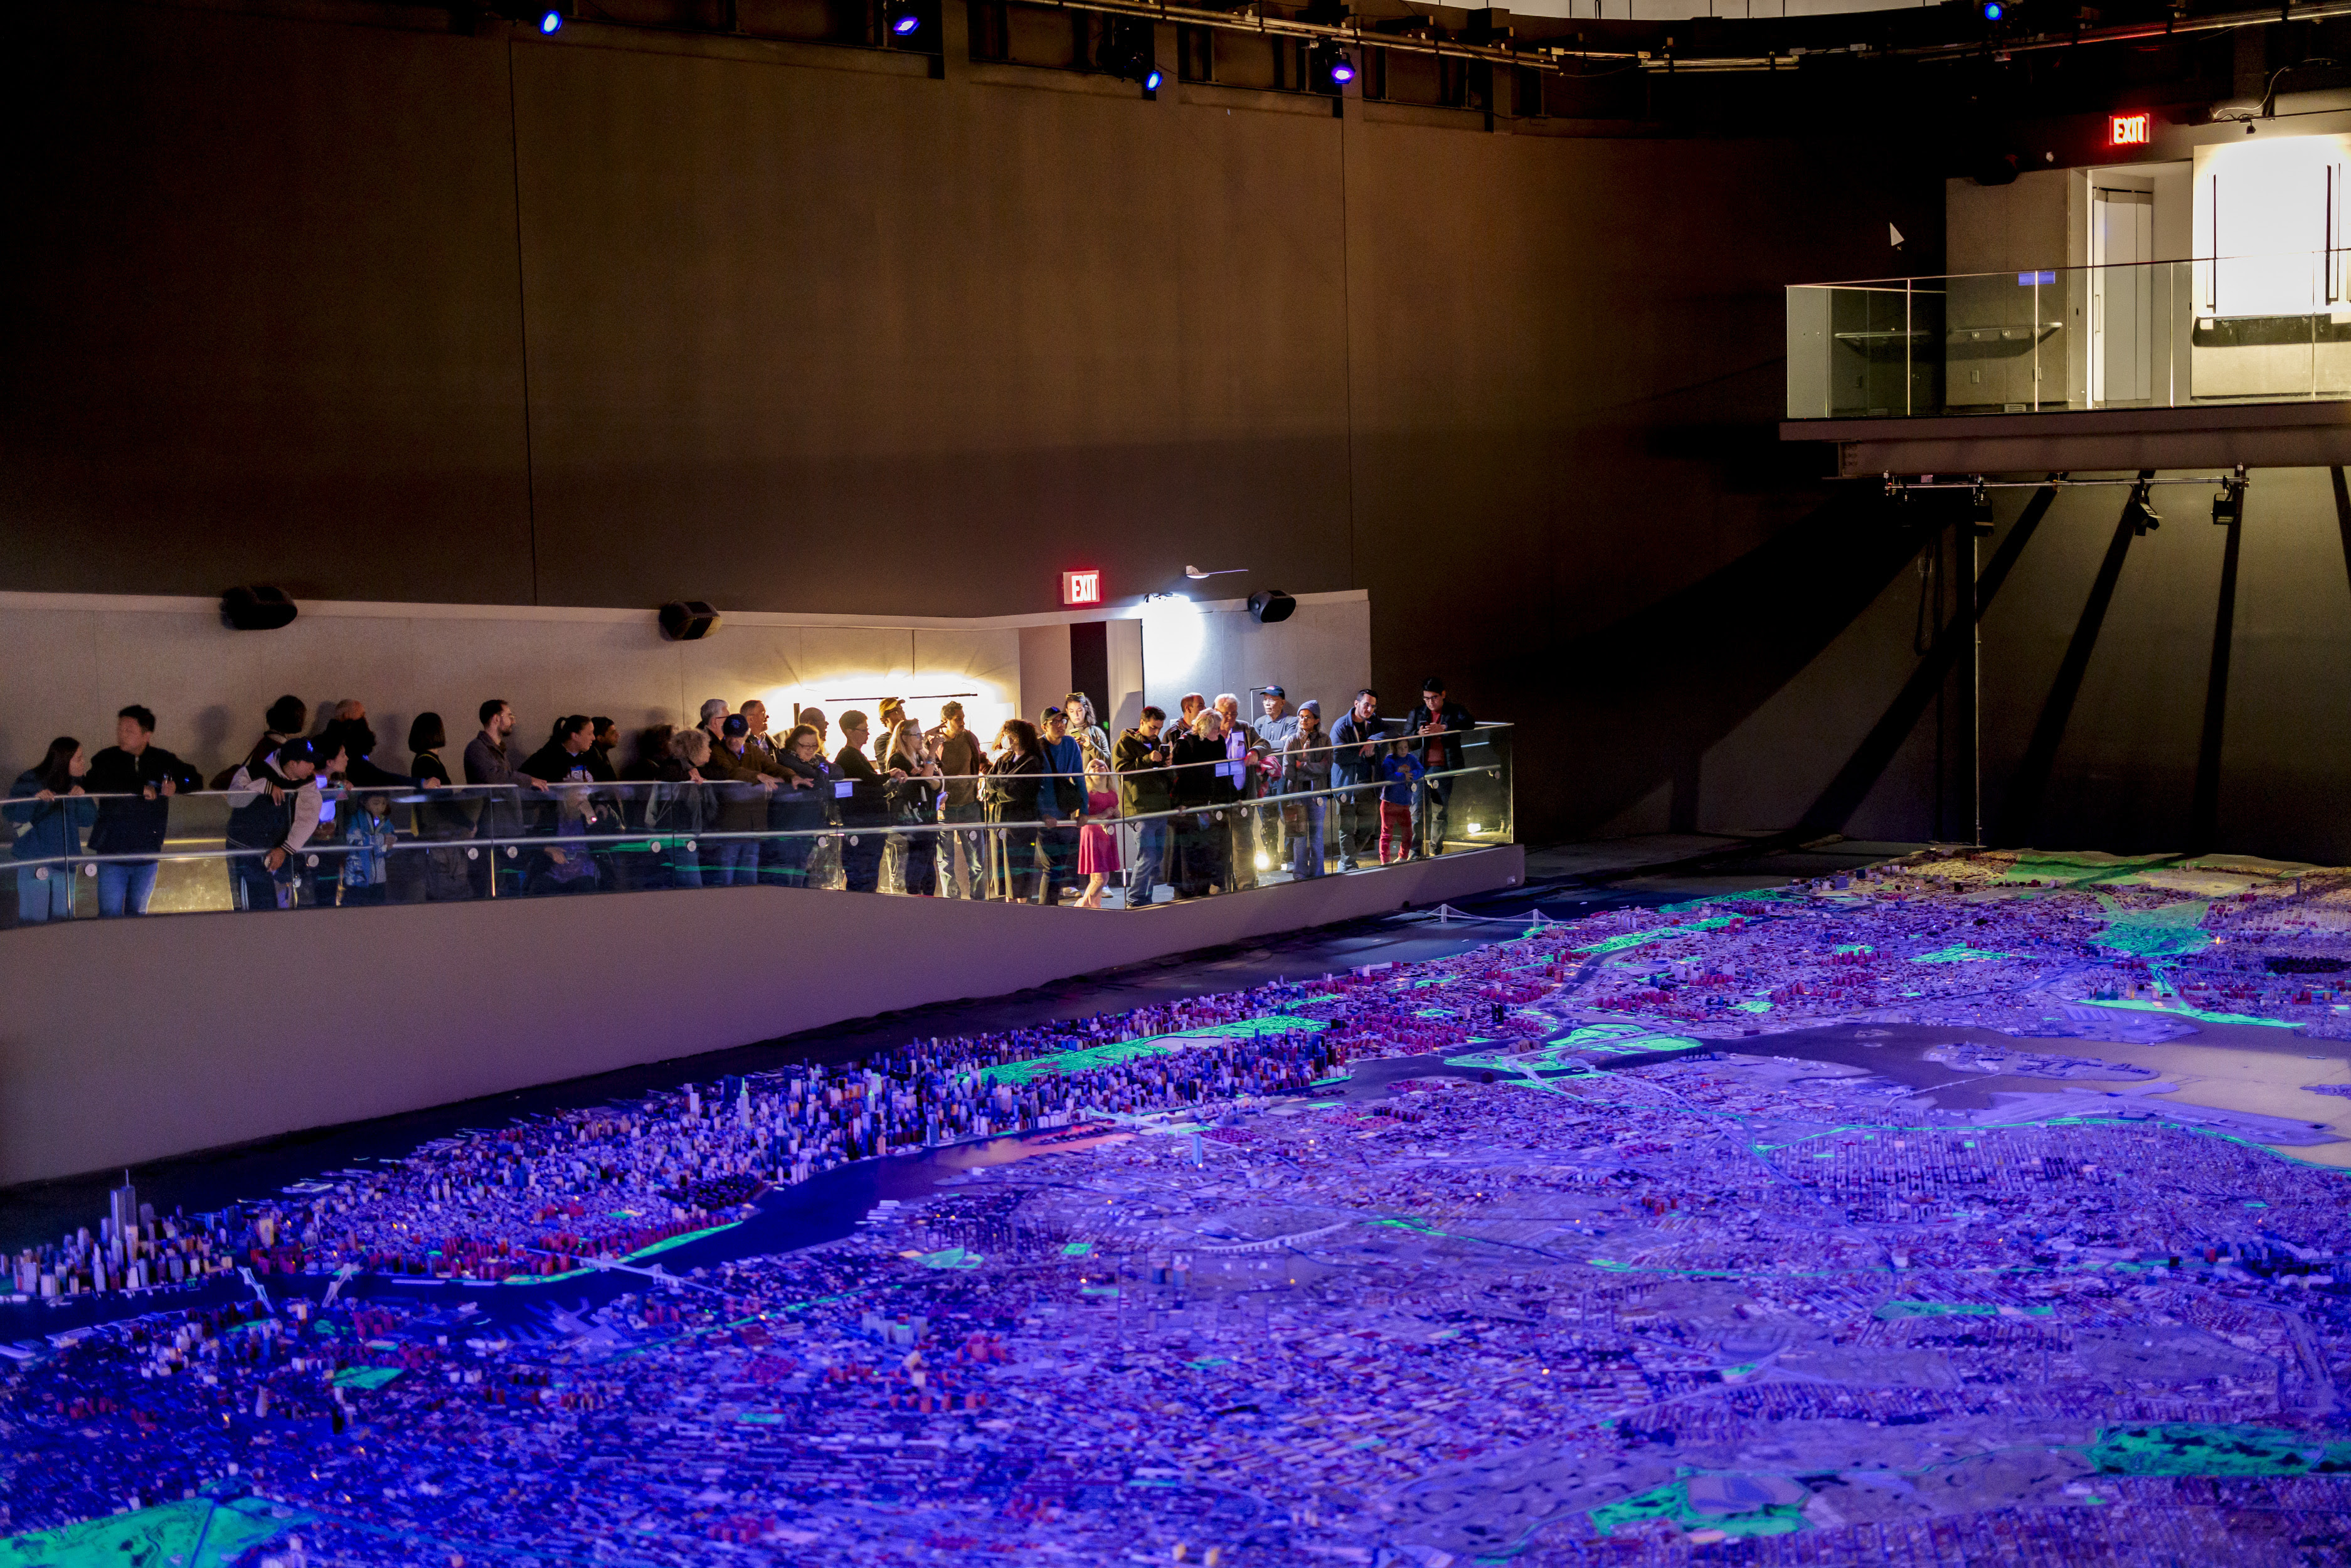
(2140, 509)
(1343, 69)
(550, 21)
(1993, 10)
(1151, 81)
(2229, 501)
(907, 21)
(1980, 510)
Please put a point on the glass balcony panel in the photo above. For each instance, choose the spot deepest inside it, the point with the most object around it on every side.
(1236, 827)
(2258, 328)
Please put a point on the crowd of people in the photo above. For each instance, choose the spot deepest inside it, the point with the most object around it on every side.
(1044, 812)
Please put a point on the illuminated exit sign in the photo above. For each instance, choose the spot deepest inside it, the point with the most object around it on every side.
(2127, 131)
(1081, 588)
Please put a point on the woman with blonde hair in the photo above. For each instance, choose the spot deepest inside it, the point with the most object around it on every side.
(1098, 839)
(914, 801)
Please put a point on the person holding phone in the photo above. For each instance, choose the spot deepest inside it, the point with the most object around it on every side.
(136, 781)
(962, 759)
(1439, 726)
(1146, 787)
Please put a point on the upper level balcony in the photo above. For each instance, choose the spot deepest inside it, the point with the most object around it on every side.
(2165, 364)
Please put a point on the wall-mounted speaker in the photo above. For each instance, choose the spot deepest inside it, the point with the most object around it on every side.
(1270, 605)
(687, 620)
(260, 607)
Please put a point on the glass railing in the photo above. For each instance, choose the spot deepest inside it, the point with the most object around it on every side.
(2165, 334)
(1205, 823)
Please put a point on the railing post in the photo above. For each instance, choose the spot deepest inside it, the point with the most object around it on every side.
(1908, 374)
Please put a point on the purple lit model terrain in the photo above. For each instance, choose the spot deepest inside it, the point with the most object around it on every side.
(1980, 1209)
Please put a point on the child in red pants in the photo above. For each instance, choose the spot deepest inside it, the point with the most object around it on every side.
(1402, 771)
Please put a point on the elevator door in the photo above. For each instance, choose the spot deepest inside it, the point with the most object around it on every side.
(2121, 297)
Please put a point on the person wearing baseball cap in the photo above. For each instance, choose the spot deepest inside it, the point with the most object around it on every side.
(1275, 729)
(274, 807)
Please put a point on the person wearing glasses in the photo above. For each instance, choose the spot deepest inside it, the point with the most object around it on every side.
(801, 802)
(1439, 726)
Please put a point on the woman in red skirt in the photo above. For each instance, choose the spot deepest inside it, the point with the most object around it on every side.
(1098, 840)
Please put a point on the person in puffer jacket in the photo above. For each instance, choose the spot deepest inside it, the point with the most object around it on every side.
(367, 864)
(274, 805)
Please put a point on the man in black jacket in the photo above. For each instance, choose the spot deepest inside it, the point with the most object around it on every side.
(864, 810)
(1357, 740)
(1146, 784)
(134, 780)
(1439, 726)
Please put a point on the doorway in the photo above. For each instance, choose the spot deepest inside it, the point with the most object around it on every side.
(2121, 297)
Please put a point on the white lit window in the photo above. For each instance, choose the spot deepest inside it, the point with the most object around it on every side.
(2270, 214)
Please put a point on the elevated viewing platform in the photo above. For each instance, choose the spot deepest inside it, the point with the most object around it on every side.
(431, 945)
(2239, 361)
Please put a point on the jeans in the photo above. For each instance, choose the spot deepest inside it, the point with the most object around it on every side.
(125, 887)
(1306, 842)
(861, 859)
(253, 886)
(1060, 847)
(963, 863)
(40, 898)
(730, 862)
(1436, 799)
(685, 866)
(1150, 868)
(790, 867)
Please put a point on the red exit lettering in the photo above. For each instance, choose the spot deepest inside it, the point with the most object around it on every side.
(2127, 131)
(1081, 588)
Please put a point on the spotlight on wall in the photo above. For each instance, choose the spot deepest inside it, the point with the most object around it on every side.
(2229, 501)
(904, 20)
(1270, 605)
(260, 607)
(687, 620)
(1125, 51)
(1329, 67)
(2140, 511)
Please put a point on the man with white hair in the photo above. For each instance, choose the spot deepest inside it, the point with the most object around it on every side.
(1246, 751)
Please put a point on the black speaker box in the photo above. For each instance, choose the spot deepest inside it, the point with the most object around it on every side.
(1270, 605)
(260, 607)
(687, 620)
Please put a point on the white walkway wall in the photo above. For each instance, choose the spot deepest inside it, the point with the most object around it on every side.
(124, 1040)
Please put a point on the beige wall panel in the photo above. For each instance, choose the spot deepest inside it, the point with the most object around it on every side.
(54, 685)
(174, 1063)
